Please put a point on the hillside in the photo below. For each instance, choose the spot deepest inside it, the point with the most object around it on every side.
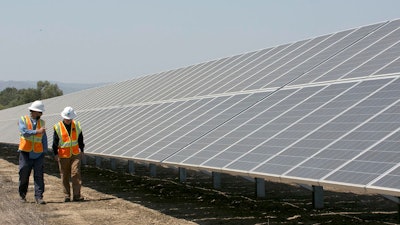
(65, 87)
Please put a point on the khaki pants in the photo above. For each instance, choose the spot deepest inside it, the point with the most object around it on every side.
(70, 168)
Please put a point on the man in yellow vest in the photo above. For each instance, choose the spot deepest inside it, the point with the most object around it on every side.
(68, 148)
(32, 146)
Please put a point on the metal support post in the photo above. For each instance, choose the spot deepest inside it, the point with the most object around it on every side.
(260, 187)
(318, 197)
(182, 174)
(216, 180)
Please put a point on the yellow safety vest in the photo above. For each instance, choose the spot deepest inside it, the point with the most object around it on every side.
(68, 143)
(33, 142)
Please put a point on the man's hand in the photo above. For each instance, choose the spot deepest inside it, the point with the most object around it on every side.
(41, 130)
(56, 158)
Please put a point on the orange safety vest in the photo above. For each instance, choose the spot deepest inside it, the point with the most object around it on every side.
(33, 142)
(68, 143)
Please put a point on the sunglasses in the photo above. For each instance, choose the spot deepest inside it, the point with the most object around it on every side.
(36, 111)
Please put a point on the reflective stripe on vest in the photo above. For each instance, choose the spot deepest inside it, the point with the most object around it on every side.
(33, 142)
(68, 143)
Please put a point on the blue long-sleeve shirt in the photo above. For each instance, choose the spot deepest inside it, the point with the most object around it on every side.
(26, 133)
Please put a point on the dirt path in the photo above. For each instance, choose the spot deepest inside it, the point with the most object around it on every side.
(98, 208)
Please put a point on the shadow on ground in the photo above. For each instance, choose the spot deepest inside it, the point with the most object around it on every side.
(196, 200)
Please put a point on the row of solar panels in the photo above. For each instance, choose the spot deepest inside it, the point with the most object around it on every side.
(332, 133)
(320, 111)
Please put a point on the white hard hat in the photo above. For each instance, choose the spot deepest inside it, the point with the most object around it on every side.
(37, 106)
(68, 113)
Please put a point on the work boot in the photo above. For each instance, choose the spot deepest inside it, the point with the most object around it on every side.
(78, 199)
(22, 199)
(40, 201)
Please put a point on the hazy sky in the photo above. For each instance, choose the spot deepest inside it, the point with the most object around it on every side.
(91, 41)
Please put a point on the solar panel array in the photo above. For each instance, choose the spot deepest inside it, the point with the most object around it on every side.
(321, 111)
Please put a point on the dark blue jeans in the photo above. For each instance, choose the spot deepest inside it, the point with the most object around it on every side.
(25, 167)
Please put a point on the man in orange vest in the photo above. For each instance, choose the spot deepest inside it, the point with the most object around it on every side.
(32, 146)
(68, 148)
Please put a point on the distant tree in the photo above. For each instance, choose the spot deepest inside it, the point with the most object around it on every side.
(11, 96)
(28, 95)
(7, 95)
(48, 90)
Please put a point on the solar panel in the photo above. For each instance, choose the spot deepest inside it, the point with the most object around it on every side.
(340, 52)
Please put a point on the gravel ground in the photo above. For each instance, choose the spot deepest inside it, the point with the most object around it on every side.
(116, 197)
